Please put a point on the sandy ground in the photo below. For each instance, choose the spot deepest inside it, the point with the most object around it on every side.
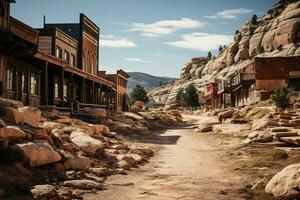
(188, 166)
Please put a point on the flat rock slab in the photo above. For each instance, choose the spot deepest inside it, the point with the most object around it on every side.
(284, 134)
(44, 192)
(279, 129)
(83, 184)
(291, 140)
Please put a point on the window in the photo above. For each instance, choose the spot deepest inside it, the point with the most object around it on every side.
(67, 57)
(92, 64)
(9, 80)
(66, 89)
(56, 88)
(33, 84)
(58, 52)
(23, 83)
(73, 60)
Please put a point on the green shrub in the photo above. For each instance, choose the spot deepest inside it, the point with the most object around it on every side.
(280, 98)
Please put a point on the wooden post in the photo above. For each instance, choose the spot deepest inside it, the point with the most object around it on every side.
(93, 93)
(72, 87)
(83, 91)
(46, 84)
(62, 86)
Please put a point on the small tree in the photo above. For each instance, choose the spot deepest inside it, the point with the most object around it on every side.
(280, 98)
(139, 94)
(220, 49)
(254, 19)
(190, 97)
(209, 55)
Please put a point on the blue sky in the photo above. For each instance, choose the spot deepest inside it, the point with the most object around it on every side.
(152, 36)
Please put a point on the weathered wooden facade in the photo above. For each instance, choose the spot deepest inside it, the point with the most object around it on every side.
(275, 72)
(54, 65)
(122, 100)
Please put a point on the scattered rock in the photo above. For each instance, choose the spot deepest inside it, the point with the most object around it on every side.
(86, 143)
(44, 192)
(83, 184)
(11, 132)
(285, 184)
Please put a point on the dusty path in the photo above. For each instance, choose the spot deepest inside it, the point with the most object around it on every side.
(188, 167)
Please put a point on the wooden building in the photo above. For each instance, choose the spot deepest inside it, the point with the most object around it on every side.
(122, 99)
(276, 72)
(210, 96)
(55, 65)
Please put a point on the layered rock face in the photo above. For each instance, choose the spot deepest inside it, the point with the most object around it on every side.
(275, 34)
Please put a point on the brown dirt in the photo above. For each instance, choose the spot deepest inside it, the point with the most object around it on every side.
(196, 166)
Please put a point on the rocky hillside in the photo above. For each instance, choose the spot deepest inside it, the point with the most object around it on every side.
(146, 80)
(275, 34)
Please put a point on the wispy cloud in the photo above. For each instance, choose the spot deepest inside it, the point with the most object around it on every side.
(201, 41)
(111, 41)
(137, 60)
(165, 27)
(230, 14)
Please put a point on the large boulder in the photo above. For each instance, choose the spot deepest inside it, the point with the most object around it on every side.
(38, 153)
(25, 115)
(261, 124)
(242, 54)
(99, 112)
(287, 32)
(86, 143)
(268, 41)
(11, 132)
(285, 184)
(77, 163)
(225, 114)
(44, 192)
(260, 137)
(11, 103)
(139, 104)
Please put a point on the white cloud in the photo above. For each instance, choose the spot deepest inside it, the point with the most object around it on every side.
(137, 60)
(201, 41)
(117, 43)
(230, 14)
(107, 36)
(165, 27)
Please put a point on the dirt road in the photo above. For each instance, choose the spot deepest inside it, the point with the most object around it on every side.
(189, 166)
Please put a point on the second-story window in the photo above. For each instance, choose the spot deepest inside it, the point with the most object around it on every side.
(73, 60)
(83, 60)
(67, 56)
(58, 52)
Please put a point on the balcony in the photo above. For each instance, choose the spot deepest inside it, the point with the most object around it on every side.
(224, 86)
(24, 31)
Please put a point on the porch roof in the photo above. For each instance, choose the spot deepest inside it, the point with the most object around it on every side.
(61, 63)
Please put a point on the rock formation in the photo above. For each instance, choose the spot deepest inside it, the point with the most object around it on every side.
(275, 34)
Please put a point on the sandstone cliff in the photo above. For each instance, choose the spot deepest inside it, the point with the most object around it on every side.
(275, 34)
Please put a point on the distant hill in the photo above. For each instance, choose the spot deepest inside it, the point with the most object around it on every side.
(146, 80)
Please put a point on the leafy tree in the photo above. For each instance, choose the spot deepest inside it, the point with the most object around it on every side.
(209, 55)
(254, 19)
(180, 96)
(139, 94)
(280, 98)
(220, 49)
(191, 96)
(236, 32)
(188, 97)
